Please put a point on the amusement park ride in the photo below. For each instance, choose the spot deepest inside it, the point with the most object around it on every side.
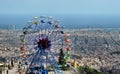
(44, 46)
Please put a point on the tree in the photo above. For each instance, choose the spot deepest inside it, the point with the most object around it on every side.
(61, 60)
(88, 70)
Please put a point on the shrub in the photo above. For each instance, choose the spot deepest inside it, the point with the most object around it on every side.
(88, 70)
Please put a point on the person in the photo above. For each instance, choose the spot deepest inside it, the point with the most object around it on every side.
(12, 63)
(20, 71)
(75, 63)
(0, 72)
(7, 72)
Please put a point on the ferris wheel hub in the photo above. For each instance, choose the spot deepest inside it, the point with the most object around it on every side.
(44, 43)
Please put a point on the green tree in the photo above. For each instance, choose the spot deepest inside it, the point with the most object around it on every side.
(62, 61)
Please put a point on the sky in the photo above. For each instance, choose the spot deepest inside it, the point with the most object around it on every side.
(95, 13)
(60, 7)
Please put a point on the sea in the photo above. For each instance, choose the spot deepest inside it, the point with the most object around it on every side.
(70, 21)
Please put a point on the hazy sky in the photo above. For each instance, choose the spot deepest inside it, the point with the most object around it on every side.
(60, 6)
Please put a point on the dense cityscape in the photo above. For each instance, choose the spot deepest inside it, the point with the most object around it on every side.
(96, 48)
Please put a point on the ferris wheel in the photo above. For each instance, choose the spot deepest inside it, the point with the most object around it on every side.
(41, 42)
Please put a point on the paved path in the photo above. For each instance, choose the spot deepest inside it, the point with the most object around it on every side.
(14, 70)
(67, 72)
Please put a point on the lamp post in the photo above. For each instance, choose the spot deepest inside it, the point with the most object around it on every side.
(4, 64)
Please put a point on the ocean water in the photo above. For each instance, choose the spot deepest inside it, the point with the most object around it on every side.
(69, 21)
